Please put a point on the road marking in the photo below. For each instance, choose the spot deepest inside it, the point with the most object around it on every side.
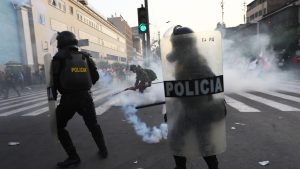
(281, 95)
(22, 96)
(104, 107)
(23, 109)
(37, 112)
(268, 102)
(288, 89)
(22, 103)
(239, 105)
(22, 99)
(45, 109)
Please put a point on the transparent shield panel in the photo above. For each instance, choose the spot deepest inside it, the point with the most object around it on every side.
(193, 81)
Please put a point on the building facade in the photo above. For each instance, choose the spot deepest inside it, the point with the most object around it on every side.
(283, 26)
(51, 16)
(257, 8)
(281, 23)
(123, 27)
(28, 31)
(11, 48)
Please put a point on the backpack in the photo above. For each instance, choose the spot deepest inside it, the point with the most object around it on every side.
(151, 74)
(75, 75)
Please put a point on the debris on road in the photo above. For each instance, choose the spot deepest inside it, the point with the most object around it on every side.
(242, 124)
(135, 162)
(233, 128)
(13, 143)
(263, 163)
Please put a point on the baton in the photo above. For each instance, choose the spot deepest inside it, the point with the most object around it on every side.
(120, 91)
(157, 82)
(149, 105)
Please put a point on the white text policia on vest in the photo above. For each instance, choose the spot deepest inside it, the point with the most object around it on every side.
(78, 69)
(195, 87)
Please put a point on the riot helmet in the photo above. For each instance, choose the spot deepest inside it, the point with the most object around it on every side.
(132, 68)
(66, 38)
(182, 36)
(179, 30)
(183, 41)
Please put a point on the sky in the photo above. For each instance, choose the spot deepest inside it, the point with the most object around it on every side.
(196, 14)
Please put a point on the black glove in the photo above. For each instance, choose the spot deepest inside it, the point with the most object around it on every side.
(51, 93)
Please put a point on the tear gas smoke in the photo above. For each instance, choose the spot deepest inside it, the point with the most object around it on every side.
(130, 99)
(250, 65)
(149, 135)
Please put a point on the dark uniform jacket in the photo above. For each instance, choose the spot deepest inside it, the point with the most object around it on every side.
(59, 61)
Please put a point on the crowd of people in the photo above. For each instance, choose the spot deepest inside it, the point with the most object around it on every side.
(18, 79)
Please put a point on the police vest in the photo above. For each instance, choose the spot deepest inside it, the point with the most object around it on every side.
(75, 75)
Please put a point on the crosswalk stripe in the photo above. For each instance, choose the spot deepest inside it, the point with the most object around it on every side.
(239, 105)
(291, 83)
(37, 112)
(105, 94)
(23, 109)
(22, 99)
(22, 103)
(288, 89)
(290, 86)
(22, 96)
(281, 95)
(101, 93)
(104, 107)
(268, 102)
(45, 109)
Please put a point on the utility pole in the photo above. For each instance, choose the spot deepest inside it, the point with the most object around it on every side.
(148, 31)
(222, 7)
(244, 11)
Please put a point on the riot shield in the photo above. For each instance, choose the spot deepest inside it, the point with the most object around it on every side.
(51, 101)
(193, 82)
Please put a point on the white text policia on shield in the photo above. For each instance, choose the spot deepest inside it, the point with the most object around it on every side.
(195, 87)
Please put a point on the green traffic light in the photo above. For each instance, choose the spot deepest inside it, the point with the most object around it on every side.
(143, 27)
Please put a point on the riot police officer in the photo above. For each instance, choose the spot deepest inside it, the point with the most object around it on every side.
(142, 79)
(196, 117)
(73, 73)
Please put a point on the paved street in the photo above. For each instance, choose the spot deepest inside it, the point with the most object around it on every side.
(262, 125)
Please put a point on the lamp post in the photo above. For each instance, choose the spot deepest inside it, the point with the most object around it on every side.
(158, 35)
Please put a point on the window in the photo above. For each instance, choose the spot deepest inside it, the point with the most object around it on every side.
(58, 4)
(123, 59)
(42, 19)
(260, 12)
(265, 10)
(112, 57)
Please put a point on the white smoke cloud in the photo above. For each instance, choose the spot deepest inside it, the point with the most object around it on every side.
(244, 70)
(128, 100)
(149, 135)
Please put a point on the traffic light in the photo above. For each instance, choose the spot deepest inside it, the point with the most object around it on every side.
(143, 20)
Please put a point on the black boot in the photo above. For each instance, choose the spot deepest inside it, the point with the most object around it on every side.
(103, 152)
(99, 139)
(212, 162)
(180, 162)
(70, 161)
